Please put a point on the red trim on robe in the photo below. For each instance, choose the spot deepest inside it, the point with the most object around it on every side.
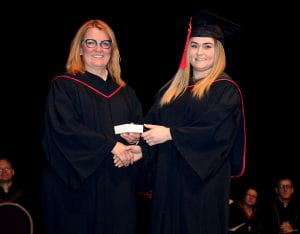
(243, 112)
(89, 86)
(249, 217)
(11, 199)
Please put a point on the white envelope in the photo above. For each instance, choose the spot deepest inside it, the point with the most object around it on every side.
(139, 128)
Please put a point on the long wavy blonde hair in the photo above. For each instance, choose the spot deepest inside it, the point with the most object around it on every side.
(75, 63)
(180, 80)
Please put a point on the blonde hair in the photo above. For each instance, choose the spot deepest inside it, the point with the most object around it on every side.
(181, 79)
(75, 63)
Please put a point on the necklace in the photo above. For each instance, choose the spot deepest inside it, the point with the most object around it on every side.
(105, 75)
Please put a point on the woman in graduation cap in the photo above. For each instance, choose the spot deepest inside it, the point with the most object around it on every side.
(82, 190)
(196, 132)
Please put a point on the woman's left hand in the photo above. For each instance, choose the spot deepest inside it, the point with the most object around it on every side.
(156, 134)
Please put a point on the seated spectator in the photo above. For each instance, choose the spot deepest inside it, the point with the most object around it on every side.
(243, 214)
(283, 214)
(10, 190)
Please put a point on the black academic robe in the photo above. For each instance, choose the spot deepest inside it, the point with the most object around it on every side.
(83, 192)
(191, 173)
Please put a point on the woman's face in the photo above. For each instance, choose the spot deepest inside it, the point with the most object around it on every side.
(202, 53)
(96, 55)
(250, 197)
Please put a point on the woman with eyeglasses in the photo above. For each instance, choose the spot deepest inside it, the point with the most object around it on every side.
(245, 214)
(83, 192)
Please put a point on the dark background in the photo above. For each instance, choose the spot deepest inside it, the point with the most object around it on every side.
(261, 59)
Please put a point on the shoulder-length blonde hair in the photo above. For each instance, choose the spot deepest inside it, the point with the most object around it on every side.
(75, 63)
(180, 81)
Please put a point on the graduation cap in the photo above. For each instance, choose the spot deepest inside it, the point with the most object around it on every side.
(207, 24)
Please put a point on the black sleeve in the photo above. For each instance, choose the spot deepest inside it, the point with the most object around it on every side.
(72, 149)
(150, 153)
(208, 141)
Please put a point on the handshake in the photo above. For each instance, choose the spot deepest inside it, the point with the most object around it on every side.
(125, 155)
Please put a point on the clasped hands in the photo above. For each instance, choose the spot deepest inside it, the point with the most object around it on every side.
(286, 227)
(125, 155)
(128, 154)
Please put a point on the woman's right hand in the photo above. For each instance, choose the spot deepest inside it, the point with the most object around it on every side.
(136, 150)
(120, 150)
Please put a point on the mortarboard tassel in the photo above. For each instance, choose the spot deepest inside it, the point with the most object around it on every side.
(183, 59)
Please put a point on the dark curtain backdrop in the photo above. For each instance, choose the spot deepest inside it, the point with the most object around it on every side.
(260, 59)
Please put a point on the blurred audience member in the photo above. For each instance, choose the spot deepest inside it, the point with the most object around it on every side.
(10, 190)
(283, 214)
(244, 216)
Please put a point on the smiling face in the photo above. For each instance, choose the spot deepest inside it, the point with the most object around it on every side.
(96, 58)
(201, 53)
(6, 171)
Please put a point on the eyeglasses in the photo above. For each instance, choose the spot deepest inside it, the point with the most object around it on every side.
(5, 169)
(92, 43)
(285, 186)
(250, 195)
